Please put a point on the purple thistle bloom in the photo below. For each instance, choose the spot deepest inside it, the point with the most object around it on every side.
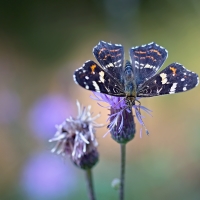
(122, 126)
(75, 137)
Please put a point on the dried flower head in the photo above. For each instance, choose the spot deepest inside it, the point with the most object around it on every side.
(75, 137)
(122, 126)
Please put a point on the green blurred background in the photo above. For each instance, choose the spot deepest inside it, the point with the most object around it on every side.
(41, 44)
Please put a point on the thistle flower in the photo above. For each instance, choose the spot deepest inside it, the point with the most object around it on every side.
(75, 138)
(122, 125)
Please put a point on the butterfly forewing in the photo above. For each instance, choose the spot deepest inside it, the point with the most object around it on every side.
(111, 58)
(93, 77)
(147, 60)
(173, 79)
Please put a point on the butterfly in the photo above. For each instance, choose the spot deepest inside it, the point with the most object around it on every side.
(137, 78)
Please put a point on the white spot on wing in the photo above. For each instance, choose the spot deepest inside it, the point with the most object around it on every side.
(134, 47)
(75, 79)
(173, 88)
(119, 61)
(118, 45)
(101, 76)
(184, 89)
(94, 48)
(164, 78)
(197, 81)
(148, 66)
(97, 89)
(87, 87)
(110, 65)
(86, 77)
(136, 62)
(182, 79)
(158, 91)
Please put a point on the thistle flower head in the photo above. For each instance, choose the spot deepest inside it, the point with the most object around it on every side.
(75, 137)
(122, 126)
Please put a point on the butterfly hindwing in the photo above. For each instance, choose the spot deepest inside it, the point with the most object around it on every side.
(173, 79)
(111, 58)
(93, 77)
(147, 60)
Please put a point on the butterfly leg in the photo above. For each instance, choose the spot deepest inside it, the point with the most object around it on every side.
(139, 104)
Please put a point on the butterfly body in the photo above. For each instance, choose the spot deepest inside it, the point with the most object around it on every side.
(129, 84)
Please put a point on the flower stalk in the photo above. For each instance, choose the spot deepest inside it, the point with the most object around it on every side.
(90, 185)
(122, 174)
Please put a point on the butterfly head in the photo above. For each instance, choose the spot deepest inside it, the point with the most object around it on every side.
(130, 102)
(127, 63)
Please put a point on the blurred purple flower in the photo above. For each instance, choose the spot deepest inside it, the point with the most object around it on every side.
(9, 106)
(45, 177)
(48, 111)
(120, 110)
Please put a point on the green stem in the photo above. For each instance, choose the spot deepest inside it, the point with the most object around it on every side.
(122, 175)
(90, 184)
